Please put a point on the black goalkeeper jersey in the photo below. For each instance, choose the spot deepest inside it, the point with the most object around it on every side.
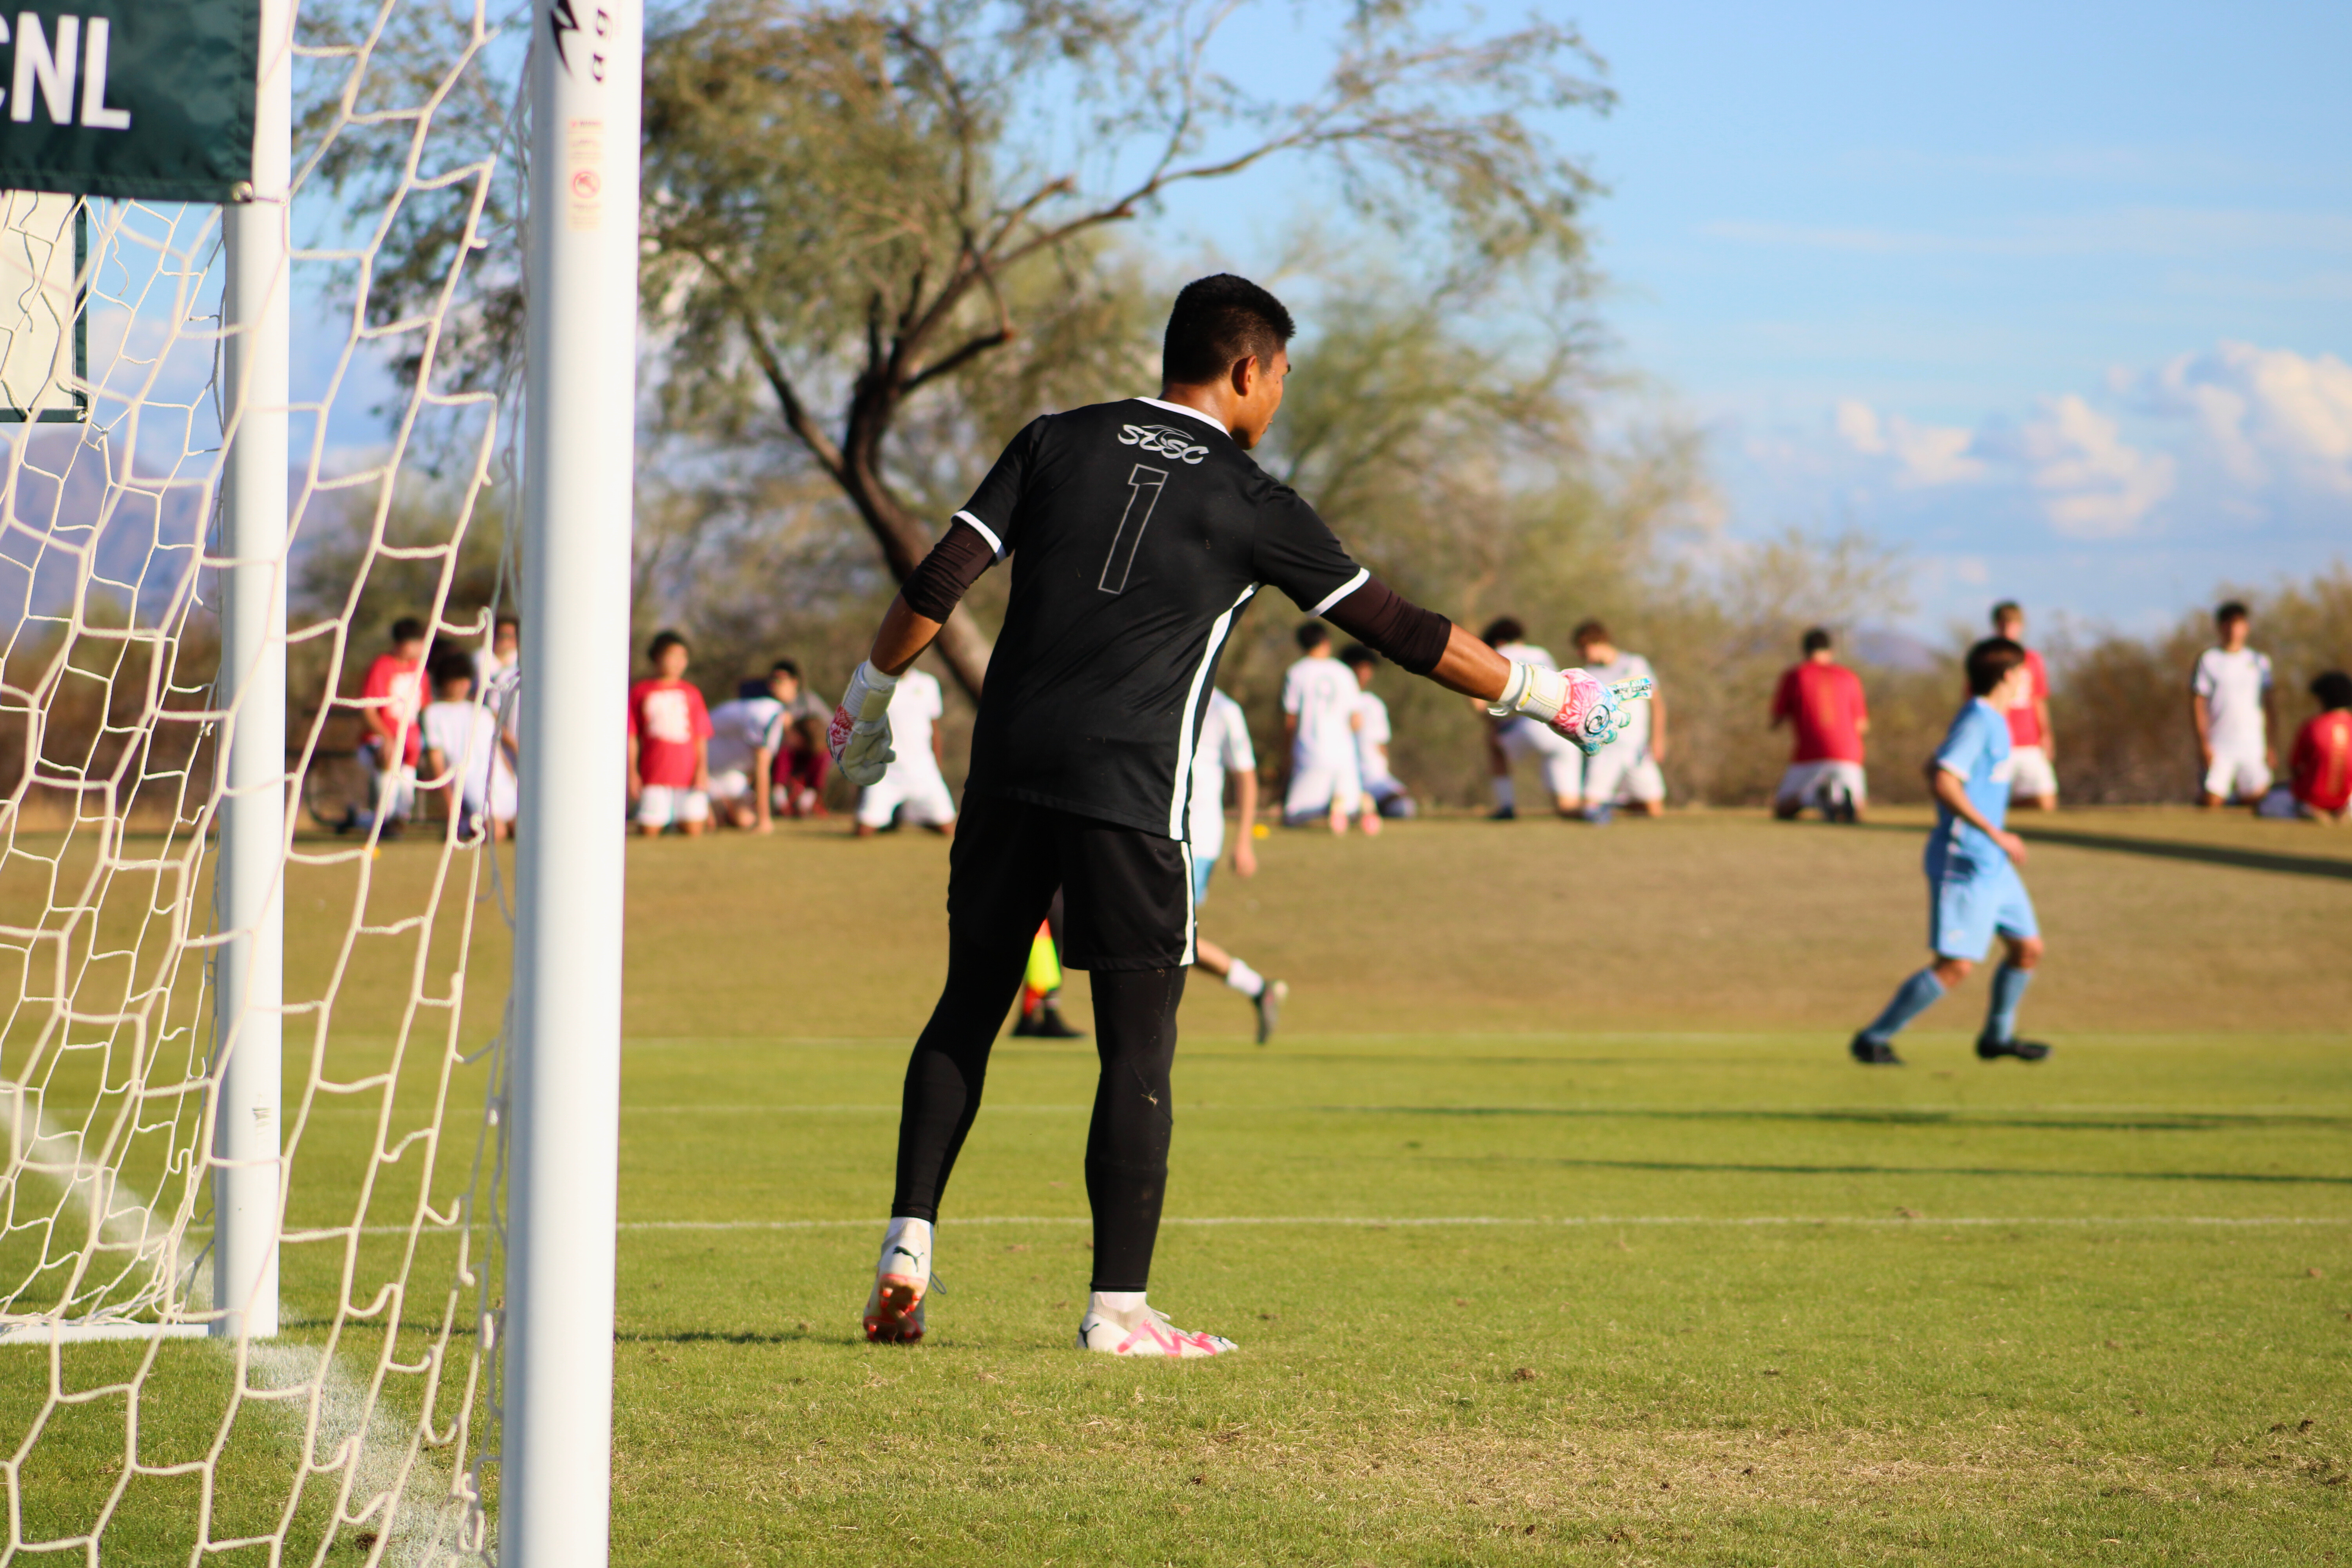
(1137, 531)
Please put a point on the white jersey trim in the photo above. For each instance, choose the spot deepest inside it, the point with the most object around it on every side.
(984, 531)
(1188, 738)
(1191, 913)
(1188, 412)
(1363, 576)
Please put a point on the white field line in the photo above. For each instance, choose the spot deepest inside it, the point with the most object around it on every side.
(1928, 1115)
(350, 1432)
(1408, 1222)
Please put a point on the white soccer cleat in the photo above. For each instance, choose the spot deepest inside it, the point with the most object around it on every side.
(1146, 1331)
(902, 1281)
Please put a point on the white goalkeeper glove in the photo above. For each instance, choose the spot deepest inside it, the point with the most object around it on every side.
(1573, 701)
(859, 735)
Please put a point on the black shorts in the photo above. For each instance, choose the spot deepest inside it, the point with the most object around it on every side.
(1126, 894)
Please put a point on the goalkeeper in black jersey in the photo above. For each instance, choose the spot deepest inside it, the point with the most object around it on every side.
(1138, 532)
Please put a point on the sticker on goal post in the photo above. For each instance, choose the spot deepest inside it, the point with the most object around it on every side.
(43, 331)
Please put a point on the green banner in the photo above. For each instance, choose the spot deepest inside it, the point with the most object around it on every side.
(149, 100)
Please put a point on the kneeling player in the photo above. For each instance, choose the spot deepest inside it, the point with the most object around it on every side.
(1974, 892)
(2320, 766)
(913, 786)
(1510, 739)
(1082, 755)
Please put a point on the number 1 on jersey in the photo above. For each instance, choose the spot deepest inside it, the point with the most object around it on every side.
(1144, 485)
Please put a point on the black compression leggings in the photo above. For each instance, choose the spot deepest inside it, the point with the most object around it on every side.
(1126, 1142)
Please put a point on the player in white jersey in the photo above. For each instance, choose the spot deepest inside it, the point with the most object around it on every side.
(464, 755)
(1319, 713)
(1224, 753)
(745, 734)
(913, 785)
(499, 656)
(2232, 702)
(1510, 739)
(1624, 771)
(1373, 735)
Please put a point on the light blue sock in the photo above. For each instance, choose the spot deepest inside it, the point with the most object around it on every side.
(2009, 984)
(1912, 997)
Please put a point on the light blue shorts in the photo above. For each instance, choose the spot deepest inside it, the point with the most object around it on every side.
(1973, 898)
(1201, 869)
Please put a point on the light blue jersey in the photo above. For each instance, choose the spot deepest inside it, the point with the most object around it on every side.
(1973, 890)
(1976, 748)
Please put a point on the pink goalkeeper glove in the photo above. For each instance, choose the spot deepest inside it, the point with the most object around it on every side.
(1572, 702)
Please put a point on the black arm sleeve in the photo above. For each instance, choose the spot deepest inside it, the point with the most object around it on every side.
(940, 580)
(1385, 620)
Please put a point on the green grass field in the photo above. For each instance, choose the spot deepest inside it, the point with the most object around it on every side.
(1555, 1227)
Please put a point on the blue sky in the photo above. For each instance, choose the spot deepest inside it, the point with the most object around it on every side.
(2056, 299)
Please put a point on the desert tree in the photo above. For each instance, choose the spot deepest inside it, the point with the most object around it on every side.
(851, 207)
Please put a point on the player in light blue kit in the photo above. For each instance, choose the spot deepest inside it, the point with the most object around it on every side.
(1974, 892)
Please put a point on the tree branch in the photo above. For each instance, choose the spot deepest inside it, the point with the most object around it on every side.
(972, 350)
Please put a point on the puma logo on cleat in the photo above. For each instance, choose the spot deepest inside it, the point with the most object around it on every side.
(911, 1257)
(1162, 441)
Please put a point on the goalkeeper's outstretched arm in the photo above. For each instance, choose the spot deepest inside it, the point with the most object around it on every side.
(1587, 710)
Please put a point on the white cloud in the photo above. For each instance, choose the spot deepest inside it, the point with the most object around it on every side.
(2235, 437)
(2093, 483)
(1924, 456)
(2126, 498)
(2269, 418)
(1858, 423)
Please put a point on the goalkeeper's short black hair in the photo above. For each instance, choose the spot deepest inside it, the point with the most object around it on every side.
(663, 642)
(1218, 320)
(1313, 635)
(1989, 663)
(408, 629)
(2334, 689)
(1816, 638)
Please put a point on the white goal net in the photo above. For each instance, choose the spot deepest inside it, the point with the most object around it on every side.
(137, 1425)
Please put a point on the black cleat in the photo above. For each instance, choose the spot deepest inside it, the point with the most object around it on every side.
(1503, 813)
(1989, 1049)
(1875, 1053)
(1047, 1024)
(1269, 1007)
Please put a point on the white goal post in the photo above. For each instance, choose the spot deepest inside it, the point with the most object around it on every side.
(580, 446)
(332, 1232)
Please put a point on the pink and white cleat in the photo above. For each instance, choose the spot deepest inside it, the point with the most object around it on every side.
(1145, 1331)
(894, 1308)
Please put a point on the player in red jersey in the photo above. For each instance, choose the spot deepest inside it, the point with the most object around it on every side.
(394, 694)
(2033, 751)
(669, 744)
(2320, 766)
(1820, 699)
